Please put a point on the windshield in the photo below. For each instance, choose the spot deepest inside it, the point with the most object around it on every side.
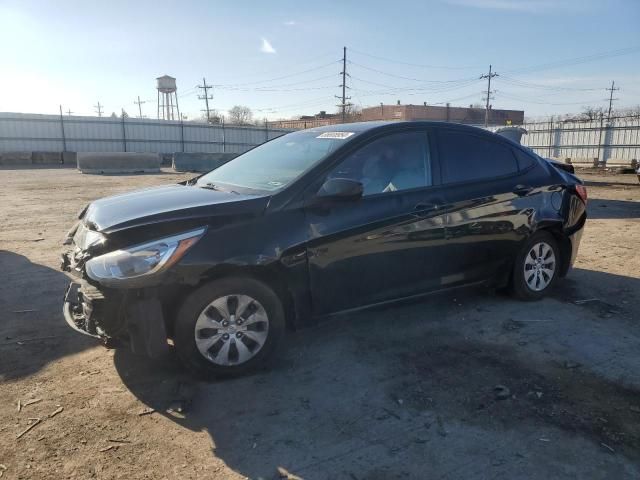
(275, 164)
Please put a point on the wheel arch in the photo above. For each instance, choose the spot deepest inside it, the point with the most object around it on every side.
(270, 275)
(564, 244)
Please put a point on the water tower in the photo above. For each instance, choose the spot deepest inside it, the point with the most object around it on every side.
(167, 98)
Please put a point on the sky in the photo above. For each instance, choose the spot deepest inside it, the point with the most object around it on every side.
(283, 58)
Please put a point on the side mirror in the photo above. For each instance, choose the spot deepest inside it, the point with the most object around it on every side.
(344, 189)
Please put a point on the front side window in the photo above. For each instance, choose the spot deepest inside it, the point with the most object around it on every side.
(275, 164)
(395, 162)
(466, 157)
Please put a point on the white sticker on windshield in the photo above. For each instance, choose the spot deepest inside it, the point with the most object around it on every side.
(338, 135)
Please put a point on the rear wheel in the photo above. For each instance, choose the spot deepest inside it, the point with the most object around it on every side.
(229, 327)
(536, 267)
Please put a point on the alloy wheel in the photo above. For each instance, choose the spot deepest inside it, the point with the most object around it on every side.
(231, 330)
(539, 266)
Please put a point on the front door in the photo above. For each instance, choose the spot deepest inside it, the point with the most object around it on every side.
(385, 245)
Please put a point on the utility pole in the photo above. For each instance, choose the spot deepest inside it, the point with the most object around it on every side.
(611, 99)
(139, 103)
(206, 97)
(488, 76)
(98, 108)
(69, 112)
(343, 105)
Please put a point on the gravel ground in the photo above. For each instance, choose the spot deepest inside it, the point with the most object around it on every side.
(403, 392)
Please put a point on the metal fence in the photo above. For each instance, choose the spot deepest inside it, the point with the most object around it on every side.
(613, 142)
(57, 133)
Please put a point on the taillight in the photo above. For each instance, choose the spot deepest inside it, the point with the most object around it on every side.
(581, 190)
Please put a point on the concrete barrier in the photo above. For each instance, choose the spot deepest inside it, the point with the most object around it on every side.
(118, 162)
(15, 158)
(46, 158)
(167, 159)
(200, 162)
(70, 159)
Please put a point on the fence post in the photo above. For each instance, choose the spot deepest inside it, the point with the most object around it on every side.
(224, 140)
(550, 135)
(182, 134)
(64, 138)
(124, 133)
(599, 139)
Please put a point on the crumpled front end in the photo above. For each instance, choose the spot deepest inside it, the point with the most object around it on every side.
(131, 316)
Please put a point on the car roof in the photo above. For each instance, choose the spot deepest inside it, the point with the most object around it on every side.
(362, 127)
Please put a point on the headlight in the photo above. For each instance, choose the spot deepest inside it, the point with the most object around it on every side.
(141, 260)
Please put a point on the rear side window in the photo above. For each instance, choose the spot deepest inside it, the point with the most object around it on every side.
(524, 160)
(466, 157)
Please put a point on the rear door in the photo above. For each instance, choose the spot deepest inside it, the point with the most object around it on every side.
(385, 245)
(487, 199)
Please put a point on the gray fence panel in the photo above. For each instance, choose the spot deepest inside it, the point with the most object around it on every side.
(616, 142)
(29, 132)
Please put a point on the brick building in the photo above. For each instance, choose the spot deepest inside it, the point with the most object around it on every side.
(469, 115)
(307, 121)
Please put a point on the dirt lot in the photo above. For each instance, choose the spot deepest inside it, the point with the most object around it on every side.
(404, 392)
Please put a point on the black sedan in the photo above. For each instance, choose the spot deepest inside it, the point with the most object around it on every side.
(314, 223)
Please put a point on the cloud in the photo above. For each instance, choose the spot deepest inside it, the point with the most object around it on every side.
(290, 23)
(267, 47)
(513, 5)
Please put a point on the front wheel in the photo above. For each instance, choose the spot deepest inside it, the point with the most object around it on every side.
(536, 267)
(229, 327)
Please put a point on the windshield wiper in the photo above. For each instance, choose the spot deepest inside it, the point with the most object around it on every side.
(212, 186)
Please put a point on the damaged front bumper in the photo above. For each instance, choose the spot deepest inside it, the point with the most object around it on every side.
(77, 311)
(135, 318)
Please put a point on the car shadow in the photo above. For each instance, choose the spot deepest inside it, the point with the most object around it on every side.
(33, 332)
(599, 183)
(615, 209)
(357, 391)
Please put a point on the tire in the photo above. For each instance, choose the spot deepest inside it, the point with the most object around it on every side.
(205, 332)
(543, 276)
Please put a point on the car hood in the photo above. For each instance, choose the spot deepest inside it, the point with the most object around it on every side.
(167, 203)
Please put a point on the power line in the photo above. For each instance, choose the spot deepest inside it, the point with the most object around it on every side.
(611, 99)
(277, 87)
(206, 97)
(538, 102)
(278, 78)
(98, 108)
(139, 103)
(576, 60)
(308, 103)
(431, 89)
(488, 76)
(412, 64)
(525, 84)
(382, 72)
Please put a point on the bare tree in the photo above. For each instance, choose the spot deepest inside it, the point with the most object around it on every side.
(627, 111)
(214, 116)
(240, 115)
(591, 113)
(352, 113)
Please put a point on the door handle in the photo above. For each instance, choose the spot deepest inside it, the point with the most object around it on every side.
(522, 190)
